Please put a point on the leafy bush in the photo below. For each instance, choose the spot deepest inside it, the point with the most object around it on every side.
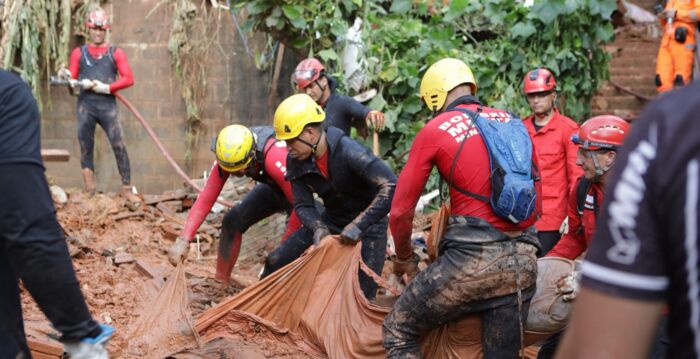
(499, 39)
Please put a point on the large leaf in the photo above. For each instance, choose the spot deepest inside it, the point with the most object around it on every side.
(400, 6)
(523, 29)
(328, 54)
(604, 8)
(295, 14)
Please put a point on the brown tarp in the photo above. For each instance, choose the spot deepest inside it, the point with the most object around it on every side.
(318, 301)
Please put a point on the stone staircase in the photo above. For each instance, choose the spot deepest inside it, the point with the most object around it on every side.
(633, 66)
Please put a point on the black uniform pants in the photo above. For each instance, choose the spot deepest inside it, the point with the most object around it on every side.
(104, 113)
(258, 204)
(471, 275)
(373, 252)
(33, 249)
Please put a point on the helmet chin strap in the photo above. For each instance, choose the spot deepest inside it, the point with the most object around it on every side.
(313, 146)
(599, 170)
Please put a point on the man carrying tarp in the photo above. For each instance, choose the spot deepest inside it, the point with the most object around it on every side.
(486, 263)
(355, 186)
(240, 151)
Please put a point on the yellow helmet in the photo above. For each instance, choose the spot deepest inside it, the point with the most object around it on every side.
(234, 147)
(441, 78)
(294, 113)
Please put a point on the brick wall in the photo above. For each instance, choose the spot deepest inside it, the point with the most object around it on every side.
(236, 93)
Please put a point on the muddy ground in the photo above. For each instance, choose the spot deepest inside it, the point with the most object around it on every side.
(119, 254)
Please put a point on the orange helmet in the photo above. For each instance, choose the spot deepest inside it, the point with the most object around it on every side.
(539, 80)
(97, 19)
(308, 71)
(602, 132)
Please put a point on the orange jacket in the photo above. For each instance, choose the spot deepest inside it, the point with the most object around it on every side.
(687, 12)
(556, 156)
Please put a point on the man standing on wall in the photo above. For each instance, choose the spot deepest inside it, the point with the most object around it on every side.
(96, 64)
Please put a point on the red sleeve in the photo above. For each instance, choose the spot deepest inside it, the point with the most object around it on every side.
(126, 77)
(275, 168)
(538, 190)
(572, 244)
(293, 223)
(205, 200)
(408, 190)
(74, 63)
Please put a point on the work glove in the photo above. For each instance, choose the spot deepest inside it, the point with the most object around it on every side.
(320, 233)
(568, 286)
(91, 348)
(64, 74)
(350, 234)
(85, 84)
(375, 120)
(408, 266)
(564, 228)
(100, 87)
(178, 251)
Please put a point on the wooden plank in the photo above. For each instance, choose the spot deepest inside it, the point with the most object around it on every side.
(55, 155)
(150, 270)
(44, 346)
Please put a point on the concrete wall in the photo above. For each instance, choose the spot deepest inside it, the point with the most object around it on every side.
(236, 93)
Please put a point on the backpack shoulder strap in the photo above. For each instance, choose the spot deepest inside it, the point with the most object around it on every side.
(472, 117)
(584, 185)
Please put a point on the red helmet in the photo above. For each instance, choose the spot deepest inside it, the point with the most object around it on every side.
(539, 80)
(602, 132)
(97, 19)
(308, 71)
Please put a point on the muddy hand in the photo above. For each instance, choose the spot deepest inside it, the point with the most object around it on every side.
(178, 251)
(568, 286)
(407, 266)
(350, 235)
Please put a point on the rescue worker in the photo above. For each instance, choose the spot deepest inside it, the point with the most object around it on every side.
(644, 256)
(556, 154)
(32, 245)
(475, 271)
(342, 112)
(598, 140)
(240, 152)
(99, 63)
(355, 187)
(674, 64)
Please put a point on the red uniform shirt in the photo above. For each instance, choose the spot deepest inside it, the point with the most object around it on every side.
(436, 145)
(126, 77)
(556, 156)
(275, 161)
(581, 226)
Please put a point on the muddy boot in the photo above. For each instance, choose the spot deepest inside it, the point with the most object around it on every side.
(89, 180)
(132, 201)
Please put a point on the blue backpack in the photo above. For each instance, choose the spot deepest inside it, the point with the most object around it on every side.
(513, 173)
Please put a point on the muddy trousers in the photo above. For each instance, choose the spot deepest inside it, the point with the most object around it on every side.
(373, 252)
(104, 113)
(258, 204)
(466, 278)
(33, 249)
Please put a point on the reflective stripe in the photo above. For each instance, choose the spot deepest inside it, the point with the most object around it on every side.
(624, 279)
(691, 248)
(693, 16)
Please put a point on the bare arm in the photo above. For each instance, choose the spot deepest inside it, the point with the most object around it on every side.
(603, 326)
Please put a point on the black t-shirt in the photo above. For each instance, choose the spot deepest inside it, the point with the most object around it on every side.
(19, 122)
(646, 246)
(343, 111)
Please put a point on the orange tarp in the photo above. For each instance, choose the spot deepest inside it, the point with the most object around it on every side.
(318, 302)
